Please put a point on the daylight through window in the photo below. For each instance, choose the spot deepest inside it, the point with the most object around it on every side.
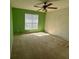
(31, 21)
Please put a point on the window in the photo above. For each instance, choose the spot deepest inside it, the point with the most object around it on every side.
(31, 21)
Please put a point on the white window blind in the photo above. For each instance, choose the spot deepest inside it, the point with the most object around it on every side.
(31, 21)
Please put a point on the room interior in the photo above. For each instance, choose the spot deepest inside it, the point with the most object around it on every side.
(47, 38)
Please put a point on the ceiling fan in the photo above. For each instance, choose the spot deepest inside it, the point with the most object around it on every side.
(46, 5)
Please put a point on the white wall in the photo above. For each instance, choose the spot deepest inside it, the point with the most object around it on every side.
(57, 23)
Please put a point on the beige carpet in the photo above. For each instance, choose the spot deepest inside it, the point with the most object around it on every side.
(39, 46)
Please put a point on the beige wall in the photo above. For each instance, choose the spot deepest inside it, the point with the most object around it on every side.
(57, 23)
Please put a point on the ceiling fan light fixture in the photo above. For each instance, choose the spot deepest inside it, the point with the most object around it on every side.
(46, 5)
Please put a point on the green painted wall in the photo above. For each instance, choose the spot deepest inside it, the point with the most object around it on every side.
(19, 20)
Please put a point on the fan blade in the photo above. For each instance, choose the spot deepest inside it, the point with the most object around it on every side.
(37, 6)
(52, 7)
(39, 9)
(49, 4)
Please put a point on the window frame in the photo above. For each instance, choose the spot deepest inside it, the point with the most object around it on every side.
(31, 24)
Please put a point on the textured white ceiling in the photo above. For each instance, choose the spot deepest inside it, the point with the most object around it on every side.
(29, 4)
